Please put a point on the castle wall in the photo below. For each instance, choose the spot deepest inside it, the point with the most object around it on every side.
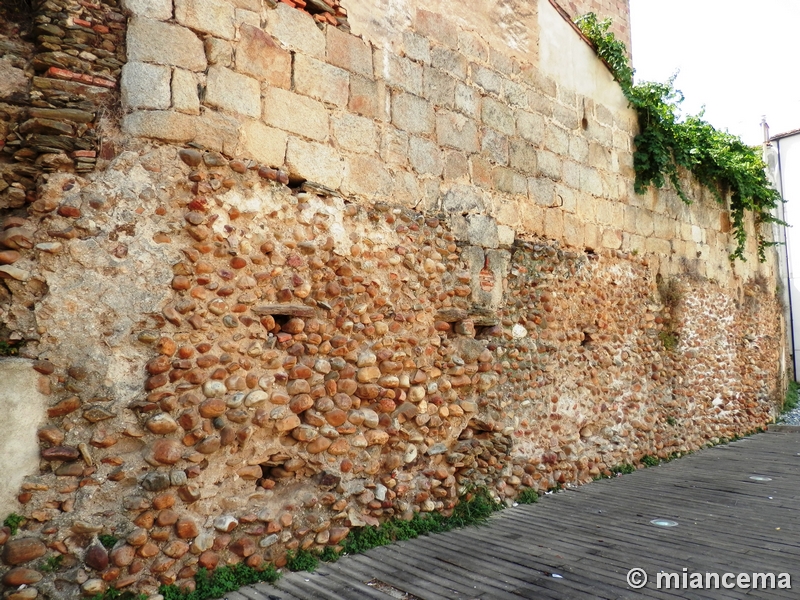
(331, 274)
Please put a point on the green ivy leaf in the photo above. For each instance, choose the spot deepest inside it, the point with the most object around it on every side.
(723, 163)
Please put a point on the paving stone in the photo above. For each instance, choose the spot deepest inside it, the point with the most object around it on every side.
(425, 156)
(354, 133)
(438, 87)
(367, 98)
(488, 80)
(218, 52)
(218, 131)
(467, 100)
(363, 177)
(416, 47)
(450, 62)
(398, 71)
(456, 131)
(498, 115)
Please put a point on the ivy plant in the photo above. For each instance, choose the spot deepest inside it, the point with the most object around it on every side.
(719, 160)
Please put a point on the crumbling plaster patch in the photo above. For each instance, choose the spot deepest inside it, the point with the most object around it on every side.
(23, 411)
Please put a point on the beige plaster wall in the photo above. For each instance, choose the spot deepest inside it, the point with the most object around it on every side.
(335, 279)
(572, 63)
(22, 413)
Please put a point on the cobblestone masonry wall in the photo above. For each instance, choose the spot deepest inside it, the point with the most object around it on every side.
(325, 284)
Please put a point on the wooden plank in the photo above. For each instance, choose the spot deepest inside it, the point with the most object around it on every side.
(612, 571)
(595, 534)
(244, 595)
(455, 571)
(416, 568)
(635, 537)
(488, 559)
(346, 584)
(412, 580)
(607, 575)
(303, 586)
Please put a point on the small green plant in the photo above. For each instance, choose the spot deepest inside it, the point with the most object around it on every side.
(52, 563)
(477, 506)
(647, 460)
(792, 396)
(672, 421)
(13, 521)
(112, 594)
(670, 290)
(221, 581)
(474, 508)
(8, 348)
(303, 560)
(611, 50)
(362, 539)
(669, 339)
(528, 495)
(666, 143)
(623, 469)
(107, 540)
(650, 461)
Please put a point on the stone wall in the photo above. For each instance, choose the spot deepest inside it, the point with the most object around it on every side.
(319, 280)
(60, 65)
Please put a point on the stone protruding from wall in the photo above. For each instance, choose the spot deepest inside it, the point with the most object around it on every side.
(22, 413)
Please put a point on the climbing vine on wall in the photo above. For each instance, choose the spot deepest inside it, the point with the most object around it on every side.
(720, 161)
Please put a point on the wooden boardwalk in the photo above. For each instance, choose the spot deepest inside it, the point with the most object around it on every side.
(581, 543)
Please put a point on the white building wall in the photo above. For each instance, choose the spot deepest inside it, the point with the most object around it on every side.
(789, 152)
